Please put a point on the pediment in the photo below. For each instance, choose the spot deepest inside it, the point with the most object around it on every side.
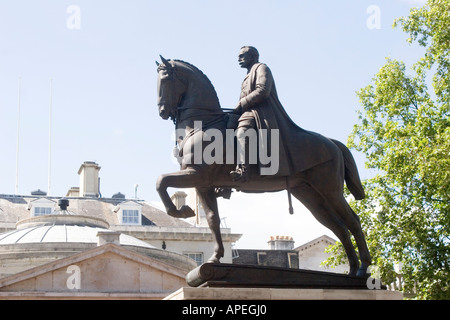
(128, 204)
(106, 269)
(317, 244)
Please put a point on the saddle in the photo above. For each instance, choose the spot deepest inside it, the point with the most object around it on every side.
(232, 120)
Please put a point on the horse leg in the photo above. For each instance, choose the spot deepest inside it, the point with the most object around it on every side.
(182, 179)
(208, 200)
(354, 225)
(324, 212)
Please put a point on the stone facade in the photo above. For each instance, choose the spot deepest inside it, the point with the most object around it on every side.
(116, 248)
(155, 226)
(312, 254)
(109, 271)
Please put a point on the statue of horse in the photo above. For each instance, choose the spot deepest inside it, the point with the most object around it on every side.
(187, 96)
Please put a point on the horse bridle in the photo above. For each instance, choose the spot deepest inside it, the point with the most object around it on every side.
(172, 77)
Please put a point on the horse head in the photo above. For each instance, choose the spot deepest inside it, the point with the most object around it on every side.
(170, 89)
(182, 87)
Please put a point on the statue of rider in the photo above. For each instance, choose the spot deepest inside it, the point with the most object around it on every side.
(259, 108)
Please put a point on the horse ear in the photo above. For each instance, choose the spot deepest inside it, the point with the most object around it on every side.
(166, 63)
(157, 63)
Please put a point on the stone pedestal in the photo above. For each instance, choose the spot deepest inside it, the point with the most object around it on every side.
(249, 282)
(213, 293)
(252, 276)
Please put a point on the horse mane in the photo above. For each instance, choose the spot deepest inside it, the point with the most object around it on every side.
(200, 72)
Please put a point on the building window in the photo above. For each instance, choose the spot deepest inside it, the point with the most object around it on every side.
(262, 258)
(293, 260)
(130, 216)
(129, 213)
(41, 211)
(41, 207)
(196, 256)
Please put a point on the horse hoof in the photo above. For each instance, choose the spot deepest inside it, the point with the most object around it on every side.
(213, 259)
(183, 213)
(353, 271)
(186, 212)
(362, 273)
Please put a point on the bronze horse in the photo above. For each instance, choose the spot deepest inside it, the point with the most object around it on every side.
(186, 96)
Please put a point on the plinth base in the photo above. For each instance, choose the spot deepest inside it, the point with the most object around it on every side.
(204, 293)
(251, 276)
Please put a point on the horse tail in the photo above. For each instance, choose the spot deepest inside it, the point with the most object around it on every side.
(352, 179)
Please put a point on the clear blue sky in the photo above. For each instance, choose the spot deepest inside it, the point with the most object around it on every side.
(104, 84)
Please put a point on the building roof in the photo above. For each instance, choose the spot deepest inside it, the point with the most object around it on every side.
(47, 237)
(14, 208)
(322, 239)
(51, 233)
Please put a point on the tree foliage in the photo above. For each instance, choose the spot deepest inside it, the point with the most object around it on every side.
(404, 132)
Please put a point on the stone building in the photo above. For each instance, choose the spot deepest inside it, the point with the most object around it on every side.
(134, 217)
(86, 246)
(312, 254)
(279, 254)
(112, 247)
(67, 256)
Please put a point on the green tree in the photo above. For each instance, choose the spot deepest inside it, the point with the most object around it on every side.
(404, 132)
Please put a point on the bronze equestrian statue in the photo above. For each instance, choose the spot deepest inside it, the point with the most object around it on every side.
(259, 108)
(309, 166)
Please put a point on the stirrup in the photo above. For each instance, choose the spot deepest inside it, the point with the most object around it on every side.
(223, 192)
(239, 174)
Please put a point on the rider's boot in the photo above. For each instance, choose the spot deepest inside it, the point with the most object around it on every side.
(223, 192)
(240, 174)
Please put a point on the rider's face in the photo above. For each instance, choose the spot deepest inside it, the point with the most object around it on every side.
(245, 59)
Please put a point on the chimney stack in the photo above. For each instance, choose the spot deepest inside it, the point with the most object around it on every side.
(179, 199)
(89, 184)
(281, 243)
(105, 237)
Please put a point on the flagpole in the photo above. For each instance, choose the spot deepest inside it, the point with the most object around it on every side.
(49, 141)
(18, 137)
